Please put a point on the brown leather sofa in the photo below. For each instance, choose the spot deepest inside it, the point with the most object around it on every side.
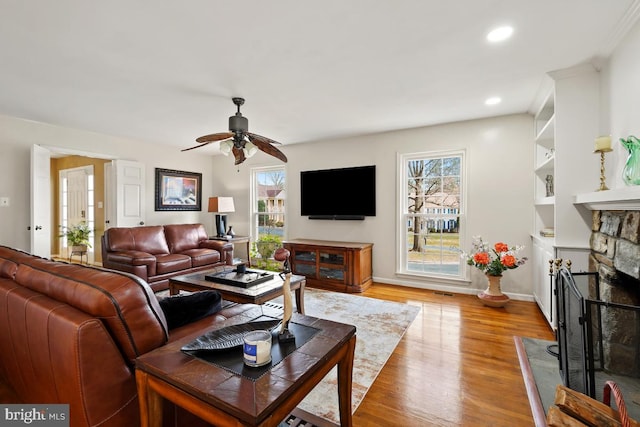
(157, 253)
(70, 334)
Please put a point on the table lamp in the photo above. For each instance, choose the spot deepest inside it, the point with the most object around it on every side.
(221, 205)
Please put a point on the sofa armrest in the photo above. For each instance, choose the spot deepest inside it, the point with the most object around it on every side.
(131, 262)
(225, 248)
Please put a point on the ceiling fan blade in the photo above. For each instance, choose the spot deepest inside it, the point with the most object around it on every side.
(215, 137)
(265, 145)
(239, 155)
(197, 146)
(262, 138)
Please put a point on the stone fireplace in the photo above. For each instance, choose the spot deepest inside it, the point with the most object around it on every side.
(615, 255)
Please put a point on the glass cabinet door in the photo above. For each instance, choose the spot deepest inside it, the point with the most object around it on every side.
(305, 269)
(331, 273)
(331, 258)
(305, 256)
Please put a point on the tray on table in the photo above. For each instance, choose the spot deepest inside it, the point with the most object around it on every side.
(245, 280)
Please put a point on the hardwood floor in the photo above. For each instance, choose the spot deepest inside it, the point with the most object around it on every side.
(455, 366)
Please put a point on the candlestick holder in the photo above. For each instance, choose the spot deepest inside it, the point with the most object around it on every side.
(602, 151)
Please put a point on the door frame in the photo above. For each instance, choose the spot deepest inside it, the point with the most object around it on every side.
(55, 151)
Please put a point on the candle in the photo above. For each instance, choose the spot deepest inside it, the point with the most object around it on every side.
(257, 348)
(603, 143)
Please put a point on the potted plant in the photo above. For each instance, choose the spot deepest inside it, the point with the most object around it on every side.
(493, 261)
(265, 246)
(78, 236)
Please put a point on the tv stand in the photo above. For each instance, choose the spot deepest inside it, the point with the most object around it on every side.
(334, 266)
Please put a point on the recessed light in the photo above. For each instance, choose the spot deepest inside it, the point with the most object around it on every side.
(500, 34)
(493, 100)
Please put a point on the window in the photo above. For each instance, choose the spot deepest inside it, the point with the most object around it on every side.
(431, 214)
(268, 197)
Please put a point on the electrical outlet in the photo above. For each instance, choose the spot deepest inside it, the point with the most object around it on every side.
(4, 202)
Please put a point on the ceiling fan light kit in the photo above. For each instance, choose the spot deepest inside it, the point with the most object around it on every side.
(226, 146)
(242, 143)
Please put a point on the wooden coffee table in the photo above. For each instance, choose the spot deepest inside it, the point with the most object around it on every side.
(224, 398)
(258, 294)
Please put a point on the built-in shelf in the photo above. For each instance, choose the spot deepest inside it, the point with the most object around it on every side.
(620, 199)
(547, 131)
(543, 201)
(546, 166)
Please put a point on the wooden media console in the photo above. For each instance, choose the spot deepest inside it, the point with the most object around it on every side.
(334, 266)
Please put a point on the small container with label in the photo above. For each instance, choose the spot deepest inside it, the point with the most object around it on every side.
(257, 348)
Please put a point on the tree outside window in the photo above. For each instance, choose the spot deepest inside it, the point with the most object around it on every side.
(432, 213)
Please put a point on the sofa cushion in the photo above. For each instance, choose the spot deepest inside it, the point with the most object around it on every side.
(203, 256)
(132, 257)
(125, 303)
(15, 255)
(182, 309)
(181, 237)
(172, 262)
(148, 239)
(7, 268)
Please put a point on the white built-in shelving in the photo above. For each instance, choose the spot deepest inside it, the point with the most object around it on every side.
(565, 127)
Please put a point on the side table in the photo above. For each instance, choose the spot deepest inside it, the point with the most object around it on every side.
(224, 398)
(234, 240)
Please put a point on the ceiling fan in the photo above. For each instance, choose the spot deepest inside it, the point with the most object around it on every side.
(239, 140)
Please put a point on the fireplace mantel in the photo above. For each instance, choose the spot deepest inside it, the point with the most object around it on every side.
(619, 199)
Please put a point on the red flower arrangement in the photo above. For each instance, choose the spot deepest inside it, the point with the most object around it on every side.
(493, 261)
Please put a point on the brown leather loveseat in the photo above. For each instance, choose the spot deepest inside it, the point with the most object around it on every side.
(69, 334)
(157, 253)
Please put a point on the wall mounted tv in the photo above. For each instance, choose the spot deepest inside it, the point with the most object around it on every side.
(342, 194)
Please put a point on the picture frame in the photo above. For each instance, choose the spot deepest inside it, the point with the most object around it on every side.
(178, 190)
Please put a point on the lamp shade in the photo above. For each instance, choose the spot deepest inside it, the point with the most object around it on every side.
(226, 146)
(249, 149)
(221, 204)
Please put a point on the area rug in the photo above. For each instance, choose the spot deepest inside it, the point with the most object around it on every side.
(379, 327)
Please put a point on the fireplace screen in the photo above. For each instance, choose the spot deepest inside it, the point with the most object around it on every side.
(596, 339)
(572, 333)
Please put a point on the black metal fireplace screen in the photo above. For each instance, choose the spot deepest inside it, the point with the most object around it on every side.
(584, 334)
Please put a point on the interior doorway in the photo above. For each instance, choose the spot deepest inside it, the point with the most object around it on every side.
(45, 229)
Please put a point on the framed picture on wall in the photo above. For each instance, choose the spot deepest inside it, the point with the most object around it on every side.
(178, 190)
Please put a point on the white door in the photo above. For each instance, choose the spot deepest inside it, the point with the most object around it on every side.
(40, 228)
(77, 204)
(129, 193)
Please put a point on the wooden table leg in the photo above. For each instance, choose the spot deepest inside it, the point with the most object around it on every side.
(173, 289)
(149, 401)
(345, 378)
(300, 298)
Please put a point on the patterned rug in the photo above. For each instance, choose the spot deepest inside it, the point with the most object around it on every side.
(379, 327)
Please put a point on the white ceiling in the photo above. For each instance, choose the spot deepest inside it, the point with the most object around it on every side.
(165, 71)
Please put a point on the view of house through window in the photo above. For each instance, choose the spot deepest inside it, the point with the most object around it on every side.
(432, 213)
(268, 213)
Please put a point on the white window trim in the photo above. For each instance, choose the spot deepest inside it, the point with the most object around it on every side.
(253, 194)
(401, 204)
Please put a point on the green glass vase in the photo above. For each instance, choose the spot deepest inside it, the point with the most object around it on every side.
(631, 171)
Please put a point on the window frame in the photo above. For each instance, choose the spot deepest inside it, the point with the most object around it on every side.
(403, 215)
(254, 232)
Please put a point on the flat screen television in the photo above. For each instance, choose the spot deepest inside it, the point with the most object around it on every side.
(346, 193)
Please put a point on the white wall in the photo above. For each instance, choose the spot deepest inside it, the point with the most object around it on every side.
(499, 159)
(16, 138)
(620, 110)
